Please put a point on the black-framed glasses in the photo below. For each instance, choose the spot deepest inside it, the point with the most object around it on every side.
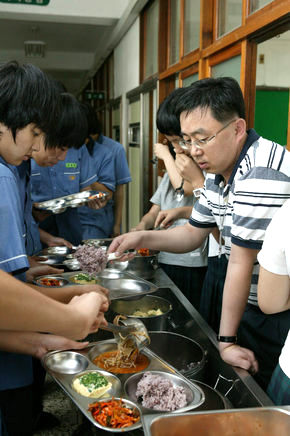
(201, 143)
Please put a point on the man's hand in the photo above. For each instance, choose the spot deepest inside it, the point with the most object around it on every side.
(41, 270)
(166, 218)
(133, 240)
(235, 355)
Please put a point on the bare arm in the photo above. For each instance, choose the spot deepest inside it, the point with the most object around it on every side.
(273, 292)
(53, 241)
(148, 220)
(181, 239)
(235, 296)
(18, 303)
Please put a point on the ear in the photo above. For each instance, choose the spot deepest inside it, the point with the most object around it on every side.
(240, 127)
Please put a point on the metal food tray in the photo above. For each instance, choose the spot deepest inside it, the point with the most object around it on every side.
(120, 283)
(64, 366)
(60, 204)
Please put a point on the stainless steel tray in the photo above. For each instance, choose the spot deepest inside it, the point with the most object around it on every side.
(121, 284)
(60, 204)
(65, 365)
(258, 421)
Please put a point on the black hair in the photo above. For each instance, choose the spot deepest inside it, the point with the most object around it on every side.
(72, 129)
(27, 95)
(223, 96)
(94, 125)
(166, 120)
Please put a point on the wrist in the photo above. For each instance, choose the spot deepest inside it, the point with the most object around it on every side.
(227, 339)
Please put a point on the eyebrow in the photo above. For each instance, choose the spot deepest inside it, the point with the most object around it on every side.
(195, 132)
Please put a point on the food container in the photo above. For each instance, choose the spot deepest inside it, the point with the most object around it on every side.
(42, 280)
(64, 366)
(126, 287)
(183, 353)
(131, 386)
(143, 266)
(52, 259)
(144, 304)
(214, 400)
(266, 421)
(61, 250)
(72, 264)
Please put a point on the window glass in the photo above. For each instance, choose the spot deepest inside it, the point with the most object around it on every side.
(258, 4)
(151, 55)
(229, 68)
(189, 80)
(191, 25)
(229, 15)
(174, 31)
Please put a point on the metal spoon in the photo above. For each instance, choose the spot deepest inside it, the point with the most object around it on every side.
(180, 191)
(130, 328)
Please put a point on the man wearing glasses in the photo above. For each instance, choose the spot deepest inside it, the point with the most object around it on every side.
(247, 181)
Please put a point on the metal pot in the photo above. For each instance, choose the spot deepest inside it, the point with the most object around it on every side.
(149, 302)
(179, 351)
(144, 266)
(214, 400)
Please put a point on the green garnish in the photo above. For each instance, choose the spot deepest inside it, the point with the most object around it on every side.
(93, 380)
(82, 276)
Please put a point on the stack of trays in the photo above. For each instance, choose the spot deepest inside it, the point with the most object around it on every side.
(60, 204)
(66, 366)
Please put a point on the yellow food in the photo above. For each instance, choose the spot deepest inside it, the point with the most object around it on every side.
(95, 387)
(151, 312)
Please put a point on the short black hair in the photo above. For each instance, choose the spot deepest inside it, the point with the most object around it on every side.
(72, 129)
(94, 124)
(167, 120)
(27, 95)
(223, 96)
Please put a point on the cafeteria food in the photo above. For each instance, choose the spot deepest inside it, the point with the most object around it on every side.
(46, 281)
(114, 413)
(83, 279)
(150, 312)
(126, 359)
(92, 384)
(144, 251)
(160, 393)
(92, 260)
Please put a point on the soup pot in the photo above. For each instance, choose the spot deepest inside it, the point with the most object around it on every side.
(214, 400)
(144, 266)
(144, 304)
(183, 353)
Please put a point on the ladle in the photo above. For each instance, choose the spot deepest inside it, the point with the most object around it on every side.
(130, 328)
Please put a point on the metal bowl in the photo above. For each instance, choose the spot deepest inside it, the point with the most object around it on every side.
(62, 281)
(128, 404)
(72, 264)
(62, 250)
(125, 288)
(194, 395)
(52, 259)
(115, 389)
(57, 210)
(106, 242)
(65, 362)
(111, 274)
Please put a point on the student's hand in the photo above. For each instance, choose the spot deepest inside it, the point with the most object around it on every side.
(90, 307)
(235, 355)
(85, 289)
(48, 342)
(55, 241)
(188, 169)
(41, 270)
(132, 240)
(166, 218)
(161, 151)
(97, 203)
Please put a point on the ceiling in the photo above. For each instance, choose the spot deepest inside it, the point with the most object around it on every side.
(76, 40)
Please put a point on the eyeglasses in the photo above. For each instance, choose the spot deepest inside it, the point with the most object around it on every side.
(201, 143)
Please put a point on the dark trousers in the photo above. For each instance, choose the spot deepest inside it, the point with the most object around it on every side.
(188, 279)
(265, 335)
(17, 410)
(212, 291)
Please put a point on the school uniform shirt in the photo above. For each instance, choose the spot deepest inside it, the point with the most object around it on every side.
(66, 177)
(165, 197)
(15, 369)
(32, 239)
(257, 188)
(99, 223)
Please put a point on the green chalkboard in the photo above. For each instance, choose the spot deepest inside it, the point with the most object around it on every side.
(271, 114)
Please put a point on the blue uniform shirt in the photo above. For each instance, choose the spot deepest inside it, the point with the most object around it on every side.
(15, 369)
(99, 223)
(66, 177)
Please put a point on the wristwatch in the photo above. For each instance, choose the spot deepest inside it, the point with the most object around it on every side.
(227, 339)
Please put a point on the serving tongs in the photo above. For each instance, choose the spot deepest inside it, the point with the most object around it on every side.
(131, 329)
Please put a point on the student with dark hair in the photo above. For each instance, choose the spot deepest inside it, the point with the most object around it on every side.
(113, 173)
(244, 174)
(186, 270)
(62, 170)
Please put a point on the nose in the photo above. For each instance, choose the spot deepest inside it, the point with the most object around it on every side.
(36, 143)
(195, 151)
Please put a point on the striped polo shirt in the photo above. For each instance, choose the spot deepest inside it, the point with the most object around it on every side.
(257, 188)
